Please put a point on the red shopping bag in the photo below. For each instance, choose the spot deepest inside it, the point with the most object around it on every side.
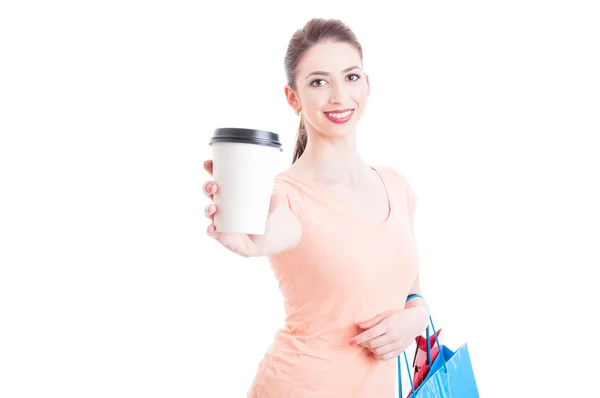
(421, 362)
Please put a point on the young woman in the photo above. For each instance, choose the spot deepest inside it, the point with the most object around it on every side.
(339, 237)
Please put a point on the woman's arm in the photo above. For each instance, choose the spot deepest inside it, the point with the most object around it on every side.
(390, 334)
(417, 306)
(283, 232)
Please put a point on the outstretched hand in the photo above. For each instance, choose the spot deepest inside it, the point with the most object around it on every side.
(246, 245)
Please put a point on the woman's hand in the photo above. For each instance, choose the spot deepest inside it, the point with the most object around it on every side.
(246, 245)
(390, 334)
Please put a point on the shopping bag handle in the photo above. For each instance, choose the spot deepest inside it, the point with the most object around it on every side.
(412, 385)
(410, 297)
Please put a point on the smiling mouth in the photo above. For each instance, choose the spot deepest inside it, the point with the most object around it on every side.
(341, 116)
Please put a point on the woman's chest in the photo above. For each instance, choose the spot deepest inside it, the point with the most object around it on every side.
(343, 255)
(371, 204)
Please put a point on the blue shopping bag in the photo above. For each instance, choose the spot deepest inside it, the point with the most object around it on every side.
(450, 375)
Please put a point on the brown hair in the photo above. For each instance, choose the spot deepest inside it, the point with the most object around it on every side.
(315, 31)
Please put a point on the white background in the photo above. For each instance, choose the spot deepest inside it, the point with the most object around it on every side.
(109, 285)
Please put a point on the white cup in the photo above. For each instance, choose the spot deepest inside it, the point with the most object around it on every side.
(245, 163)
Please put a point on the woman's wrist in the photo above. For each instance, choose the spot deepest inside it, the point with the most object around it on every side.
(420, 317)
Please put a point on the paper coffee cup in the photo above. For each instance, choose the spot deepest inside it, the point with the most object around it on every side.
(245, 164)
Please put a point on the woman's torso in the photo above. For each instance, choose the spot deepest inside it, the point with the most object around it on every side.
(346, 269)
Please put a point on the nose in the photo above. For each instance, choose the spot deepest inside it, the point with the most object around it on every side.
(338, 94)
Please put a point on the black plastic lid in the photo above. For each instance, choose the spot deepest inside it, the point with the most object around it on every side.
(246, 136)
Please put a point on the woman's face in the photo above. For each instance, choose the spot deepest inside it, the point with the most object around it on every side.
(331, 88)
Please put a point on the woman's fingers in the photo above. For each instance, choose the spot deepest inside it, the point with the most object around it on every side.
(212, 231)
(210, 210)
(377, 342)
(208, 166)
(389, 351)
(209, 188)
(387, 357)
(382, 350)
(382, 347)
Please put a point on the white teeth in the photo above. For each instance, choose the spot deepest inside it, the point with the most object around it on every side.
(340, 115)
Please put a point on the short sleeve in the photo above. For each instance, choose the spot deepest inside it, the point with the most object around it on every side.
(411, 198)
(291, 194)
(403, 189)
(411, 201)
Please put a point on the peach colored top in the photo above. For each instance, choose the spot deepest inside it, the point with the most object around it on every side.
(345, 270)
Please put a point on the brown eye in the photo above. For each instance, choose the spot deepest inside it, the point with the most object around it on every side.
(356, 75)
(317, 80)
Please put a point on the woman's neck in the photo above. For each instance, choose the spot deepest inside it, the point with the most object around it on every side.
(332, 161)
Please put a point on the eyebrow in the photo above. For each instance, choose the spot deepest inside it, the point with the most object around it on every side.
(318, 72)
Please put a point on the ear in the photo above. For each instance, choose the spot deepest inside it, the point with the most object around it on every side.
(291, 97)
